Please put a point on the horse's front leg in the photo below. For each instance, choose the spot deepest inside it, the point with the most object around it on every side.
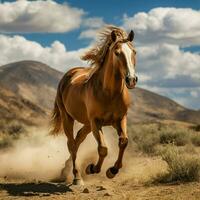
(123, 142)
(102, 149)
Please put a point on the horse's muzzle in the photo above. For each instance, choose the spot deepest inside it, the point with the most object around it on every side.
(131, 82)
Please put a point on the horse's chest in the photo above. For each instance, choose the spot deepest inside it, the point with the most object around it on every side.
(112, 111)
(109, 118)
(106, 108)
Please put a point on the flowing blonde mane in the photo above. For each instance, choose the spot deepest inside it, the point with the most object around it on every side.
(95, 56)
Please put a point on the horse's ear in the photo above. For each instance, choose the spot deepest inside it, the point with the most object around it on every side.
(113, 36)
(131, 36)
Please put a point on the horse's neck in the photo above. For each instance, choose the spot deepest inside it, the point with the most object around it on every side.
(109, 83)
(111, 78)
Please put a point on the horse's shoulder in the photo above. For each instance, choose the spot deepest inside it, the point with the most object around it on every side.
(79, 74)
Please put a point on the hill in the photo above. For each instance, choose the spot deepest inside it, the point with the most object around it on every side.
(27, 91)
(148, 106)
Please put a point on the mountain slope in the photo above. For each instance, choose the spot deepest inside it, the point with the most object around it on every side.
(149, 106)
(28, 89)
(31, 80)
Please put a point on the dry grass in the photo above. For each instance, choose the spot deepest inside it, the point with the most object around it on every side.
(176, 137)
(150, 138)
(181, 167)
(146, 137)
(195, 139)
(196, 127)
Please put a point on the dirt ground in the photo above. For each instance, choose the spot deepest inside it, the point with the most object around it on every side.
(130, 183)
(109, 189)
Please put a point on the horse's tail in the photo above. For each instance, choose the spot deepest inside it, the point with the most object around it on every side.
(56, 120)
(56, 117)
(59, 110)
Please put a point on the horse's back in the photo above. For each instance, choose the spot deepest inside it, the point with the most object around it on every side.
(72, 76)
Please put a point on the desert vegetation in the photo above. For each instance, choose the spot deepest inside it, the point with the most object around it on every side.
(151, 137)
(177, 146)
(196, 139)
(181, 167)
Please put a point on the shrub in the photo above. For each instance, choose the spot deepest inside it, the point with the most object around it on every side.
(148, 144)
(181, 167)
(146, 137)
(179, 137)
(196, 139)
(196, 127)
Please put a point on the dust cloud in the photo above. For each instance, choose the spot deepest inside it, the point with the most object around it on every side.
(34, 156)
(39, 156)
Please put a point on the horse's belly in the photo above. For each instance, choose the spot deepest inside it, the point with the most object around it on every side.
(75, 105)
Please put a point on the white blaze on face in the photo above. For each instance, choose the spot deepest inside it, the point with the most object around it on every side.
(128, 54)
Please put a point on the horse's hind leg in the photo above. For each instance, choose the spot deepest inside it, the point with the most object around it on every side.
(81, 135)
(102, 149)
(68, 124)
(123, 141)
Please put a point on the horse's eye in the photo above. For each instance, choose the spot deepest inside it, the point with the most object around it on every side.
(117, 53)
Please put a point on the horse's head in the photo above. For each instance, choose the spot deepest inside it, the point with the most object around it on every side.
(124, 56)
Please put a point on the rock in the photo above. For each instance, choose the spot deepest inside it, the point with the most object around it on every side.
(86, 190)
(106, 194)
(100, 188)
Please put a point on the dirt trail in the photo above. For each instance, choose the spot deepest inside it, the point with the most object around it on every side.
(109, 189)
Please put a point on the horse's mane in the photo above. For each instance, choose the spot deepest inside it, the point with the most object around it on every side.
(95, 56)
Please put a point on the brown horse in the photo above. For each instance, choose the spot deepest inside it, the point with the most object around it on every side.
(98, 96)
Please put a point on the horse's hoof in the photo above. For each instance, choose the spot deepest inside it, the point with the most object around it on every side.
(111, 172)
(78, 182)
(90, 169)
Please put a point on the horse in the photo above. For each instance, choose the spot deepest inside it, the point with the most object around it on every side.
(97, 96)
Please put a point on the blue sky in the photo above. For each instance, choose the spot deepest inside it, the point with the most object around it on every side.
(167, 38)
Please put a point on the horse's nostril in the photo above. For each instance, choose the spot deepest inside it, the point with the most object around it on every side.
(136, 79)
(127, 79)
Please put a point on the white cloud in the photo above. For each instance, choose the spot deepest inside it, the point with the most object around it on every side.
(88, 34)
(172, 25)
(172, 72)
(161, 61)
(195, 94)
(94, 22)
(92, 26)
(18, 48)
(144, 77)
(38, 16)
